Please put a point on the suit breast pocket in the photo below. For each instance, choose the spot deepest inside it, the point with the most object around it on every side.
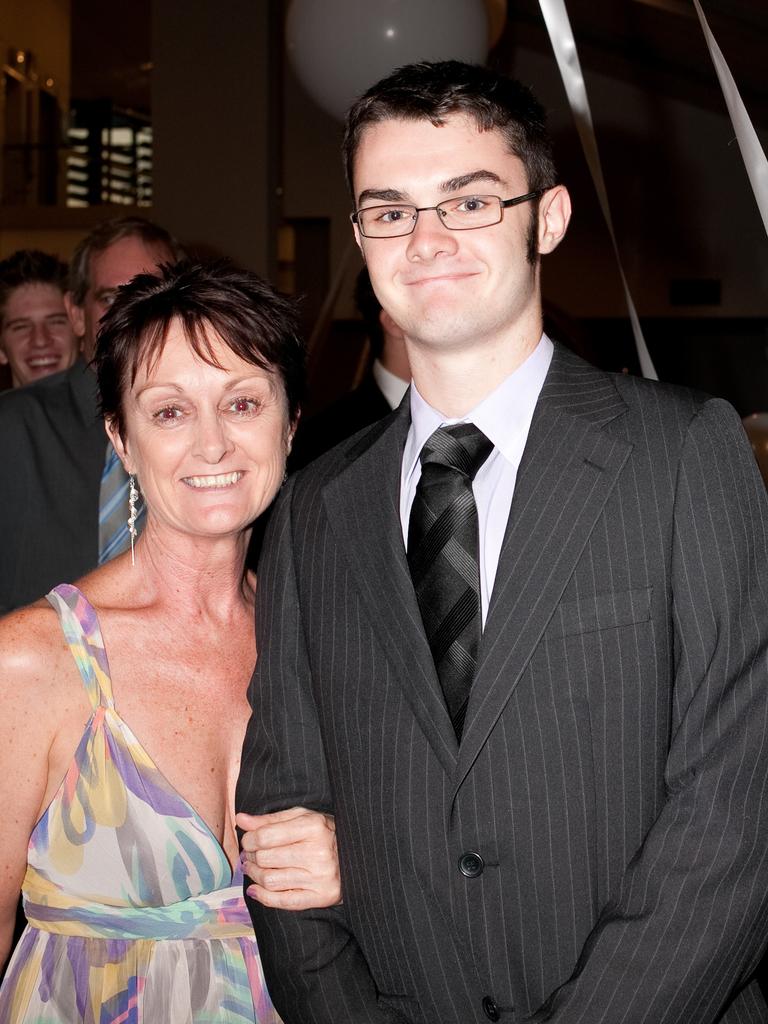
(600, 612)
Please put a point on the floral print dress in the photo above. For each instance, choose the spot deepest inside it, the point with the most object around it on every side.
(135, 915)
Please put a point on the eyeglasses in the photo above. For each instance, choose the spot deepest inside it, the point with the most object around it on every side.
(460, 214)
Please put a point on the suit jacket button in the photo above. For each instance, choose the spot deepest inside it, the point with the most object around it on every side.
(490, 1009)
(471, 865)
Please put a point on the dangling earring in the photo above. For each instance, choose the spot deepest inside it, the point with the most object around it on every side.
(133, 497)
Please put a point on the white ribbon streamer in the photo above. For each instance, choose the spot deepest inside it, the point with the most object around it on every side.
(751, 151)
(564, 45)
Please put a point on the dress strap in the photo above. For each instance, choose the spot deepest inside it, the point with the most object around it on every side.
(83, 635)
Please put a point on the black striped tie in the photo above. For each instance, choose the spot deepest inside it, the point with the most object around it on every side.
(443, 557)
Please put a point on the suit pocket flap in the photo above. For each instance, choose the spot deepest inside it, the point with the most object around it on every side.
(601, 611)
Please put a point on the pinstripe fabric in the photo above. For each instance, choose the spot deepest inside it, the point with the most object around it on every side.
(612, 772)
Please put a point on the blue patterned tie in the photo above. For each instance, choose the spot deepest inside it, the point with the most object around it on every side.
(114, 536)
(443, 557)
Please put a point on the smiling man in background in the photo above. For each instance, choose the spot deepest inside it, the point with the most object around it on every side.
(36, 337)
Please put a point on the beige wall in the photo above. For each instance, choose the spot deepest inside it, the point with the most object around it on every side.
(59, 242)
(215, 128)
(54, 229)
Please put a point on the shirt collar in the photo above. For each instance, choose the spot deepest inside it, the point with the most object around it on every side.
(389, 384)
(501, 416)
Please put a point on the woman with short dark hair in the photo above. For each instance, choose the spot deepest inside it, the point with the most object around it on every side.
(120, 740)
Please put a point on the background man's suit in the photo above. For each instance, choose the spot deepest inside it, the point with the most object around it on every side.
(52, 445)
(343, 418)
(597, 849)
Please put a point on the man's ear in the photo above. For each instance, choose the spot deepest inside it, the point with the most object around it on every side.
(3, 357)
(119, 445)
(76, 315)
(388, 324)
(359, 240)
(554, 215)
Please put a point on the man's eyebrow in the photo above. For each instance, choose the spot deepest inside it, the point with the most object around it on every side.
(455, 184)
(393, 195)
(386, 195)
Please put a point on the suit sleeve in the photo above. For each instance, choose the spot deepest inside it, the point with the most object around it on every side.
(690, 919)
(315, 971)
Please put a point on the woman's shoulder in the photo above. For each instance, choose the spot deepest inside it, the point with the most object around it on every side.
(31, 642)
(40, 699)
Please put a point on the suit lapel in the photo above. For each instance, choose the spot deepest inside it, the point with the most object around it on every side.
(363, 507)
(569, 468)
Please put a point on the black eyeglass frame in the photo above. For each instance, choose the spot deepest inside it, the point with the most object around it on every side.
(503, 204)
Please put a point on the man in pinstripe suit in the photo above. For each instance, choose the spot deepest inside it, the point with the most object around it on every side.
(594, 847)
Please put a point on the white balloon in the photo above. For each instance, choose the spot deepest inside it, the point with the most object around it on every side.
(339, 48)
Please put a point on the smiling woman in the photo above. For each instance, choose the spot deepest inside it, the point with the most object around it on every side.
(129, 868)
(200, 395)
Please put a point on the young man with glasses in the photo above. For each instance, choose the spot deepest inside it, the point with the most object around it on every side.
(514, 636)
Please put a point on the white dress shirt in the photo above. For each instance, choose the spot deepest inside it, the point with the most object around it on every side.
(389, 384)
(504, 417)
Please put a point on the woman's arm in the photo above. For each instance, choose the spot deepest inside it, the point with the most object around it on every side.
(291, 858)
(28, 717)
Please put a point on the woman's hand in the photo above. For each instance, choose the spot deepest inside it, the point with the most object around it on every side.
(291, 858)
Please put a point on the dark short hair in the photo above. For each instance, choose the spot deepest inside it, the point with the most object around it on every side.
(106, 234)
(252, 319)
(30, 266)
(433, 91)
(369, 308)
